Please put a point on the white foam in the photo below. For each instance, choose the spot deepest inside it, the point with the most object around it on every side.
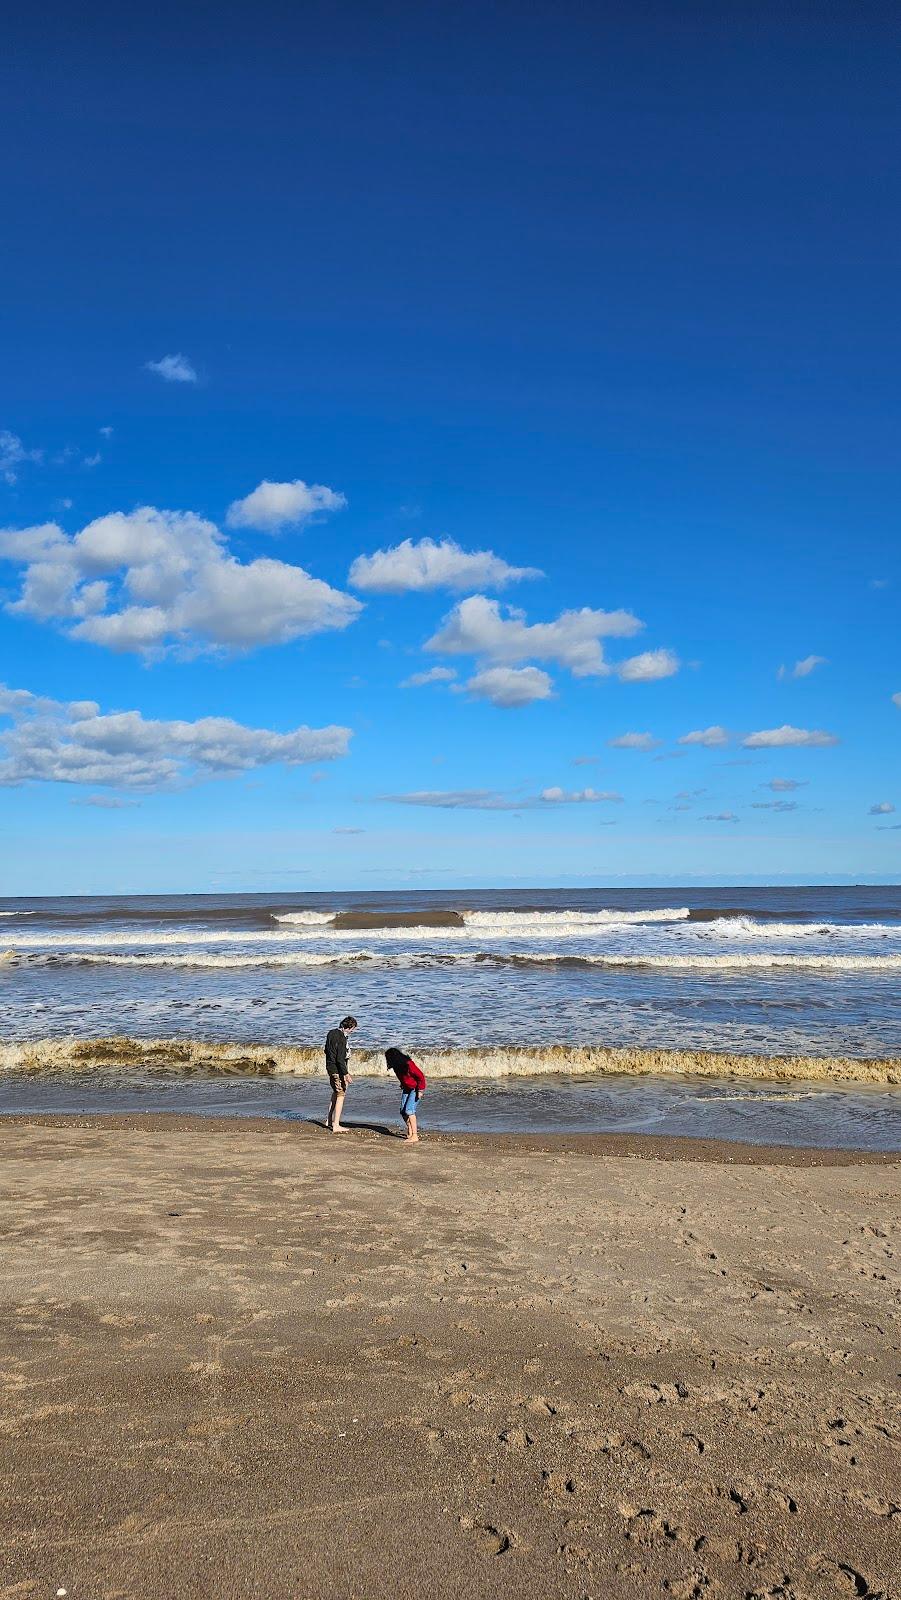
(749, 928)
(516, 922)
(724, 961)
(312, 919)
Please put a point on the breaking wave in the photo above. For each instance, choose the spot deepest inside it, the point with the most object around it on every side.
(676, 962)
(183, 1057)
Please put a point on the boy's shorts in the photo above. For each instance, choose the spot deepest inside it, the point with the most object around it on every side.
(408, 1103)
(338, 1083)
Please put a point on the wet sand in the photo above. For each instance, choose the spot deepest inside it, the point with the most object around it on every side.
(248, 1359)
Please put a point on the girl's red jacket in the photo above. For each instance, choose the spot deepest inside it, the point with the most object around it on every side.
(411, 1076)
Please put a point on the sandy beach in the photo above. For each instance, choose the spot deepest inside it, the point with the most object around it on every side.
(247, 1359)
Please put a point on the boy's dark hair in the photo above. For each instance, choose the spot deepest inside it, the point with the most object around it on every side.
(349, 1022)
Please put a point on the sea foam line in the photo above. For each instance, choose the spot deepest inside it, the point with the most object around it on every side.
(732, 960)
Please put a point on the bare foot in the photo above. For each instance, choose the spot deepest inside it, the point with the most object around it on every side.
(337, 1128)
(411, 1140)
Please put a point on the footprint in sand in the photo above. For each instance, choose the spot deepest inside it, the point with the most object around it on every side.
(490, 1540)
(517, 1438)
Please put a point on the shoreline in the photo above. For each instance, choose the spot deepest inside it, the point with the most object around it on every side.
(181, 1055)
(638, 1146)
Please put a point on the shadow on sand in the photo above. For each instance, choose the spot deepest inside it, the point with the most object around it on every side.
(352, 1127)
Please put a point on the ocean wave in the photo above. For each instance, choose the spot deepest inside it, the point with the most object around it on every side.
(306, 919)
(746, 927)
(203, 958)
(180, 1057)
(288, 934)
(731, 960)
(538, 921)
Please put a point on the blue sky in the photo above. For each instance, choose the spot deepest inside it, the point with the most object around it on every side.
(608, 297)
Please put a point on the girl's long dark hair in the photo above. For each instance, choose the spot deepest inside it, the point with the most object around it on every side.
(396, 1058)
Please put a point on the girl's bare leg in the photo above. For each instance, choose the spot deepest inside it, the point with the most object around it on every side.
(412, 1135)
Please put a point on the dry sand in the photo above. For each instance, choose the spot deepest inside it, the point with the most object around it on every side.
(248, 1359)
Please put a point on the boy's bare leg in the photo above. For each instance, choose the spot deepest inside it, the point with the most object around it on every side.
(334, 1112)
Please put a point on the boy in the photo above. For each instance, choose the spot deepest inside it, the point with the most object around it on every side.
(336, 1067)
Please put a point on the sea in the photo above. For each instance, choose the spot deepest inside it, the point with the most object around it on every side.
(764, 1014)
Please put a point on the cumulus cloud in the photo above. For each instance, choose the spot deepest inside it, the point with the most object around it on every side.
(434, 675)
(785, 785)
(648, 667)
(634, 741)
(415, 566)
(477, 627)
(73, 742)
(13, 456)
(882, 808)
(896, 698)
(173, 369)
(779, 738)
(148, 581)
(273, 506)
(576, 797)
(509, 687)
(720, 816)
(497, 800)
(803, 668)
(711, 738)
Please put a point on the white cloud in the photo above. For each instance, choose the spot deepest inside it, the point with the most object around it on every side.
(896, 698)
(648, 667)
(497, 800)
(149, 581)
(510, 686)
(457, 800)
(433, 564)
(803, 668)
(883, 808)
(575, 797)
(477, 627)
(634, 741)
(272, 506)
(58, 742)
(720, 816)
(173, 369)
(785, 785)
(434, 675)
(778, 738)
(711, 738)
(584, 761)
(14, 455)
(774, 805)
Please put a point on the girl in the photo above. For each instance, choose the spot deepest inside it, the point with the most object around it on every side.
(412, 1082)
